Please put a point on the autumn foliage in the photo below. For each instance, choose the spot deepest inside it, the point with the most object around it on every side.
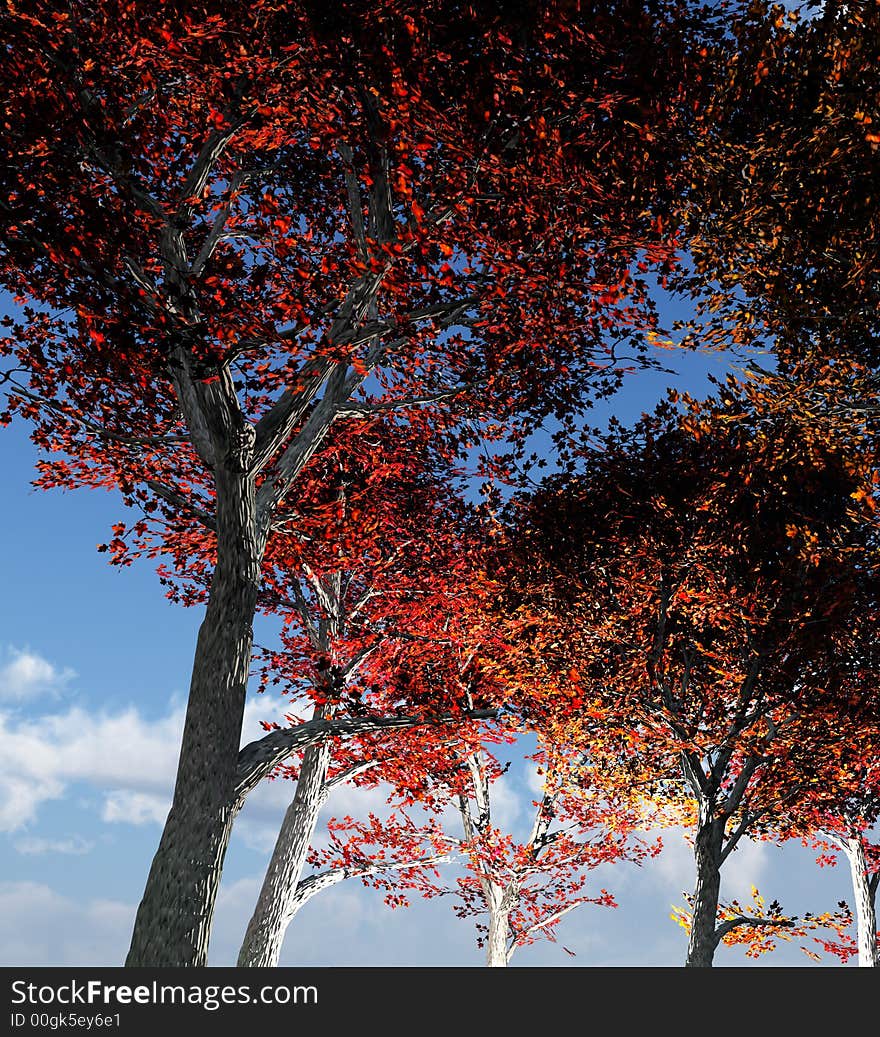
(301, 280)
(710, 581)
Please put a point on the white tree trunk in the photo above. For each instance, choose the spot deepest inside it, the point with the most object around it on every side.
(278, 901)
(496, 940)
(865, 897)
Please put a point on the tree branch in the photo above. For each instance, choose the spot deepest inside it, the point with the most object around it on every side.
(735, 923)
(259, 758)
(276, 425)
(94, 427)
(179, 501)
(352, 409)
(543, 924)
(351, 772)
(746, 822)
(308, 887)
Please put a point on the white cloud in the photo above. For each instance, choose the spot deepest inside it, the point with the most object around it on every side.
(674, 868)
(42, 927)
(507, 804)
(744, 868)
(20, 795)
(129, 758)
(135, 808)
(345, 925)
(44, 755)
(37, 846)
(26, 675)
(533, 780)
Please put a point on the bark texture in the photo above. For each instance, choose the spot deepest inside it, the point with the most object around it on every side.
(278, 901)
(173, 922)
(865, 894)
(496, 938)
(708, 845)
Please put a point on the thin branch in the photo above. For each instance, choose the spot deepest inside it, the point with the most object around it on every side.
(353, 409)
(548, 921)
(179, 501)
(746, 822)
(211, 150)
(93, 427)
(741, 920)
(214, 235)
(324, 596)
(276, 425)
(734, 797)
(353, 771)
(451, 312)
(357, 660)
(308, 887)
(355, 206)
(302, 607)
(692, 772)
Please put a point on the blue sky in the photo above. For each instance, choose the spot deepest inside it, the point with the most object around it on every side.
(94, 665)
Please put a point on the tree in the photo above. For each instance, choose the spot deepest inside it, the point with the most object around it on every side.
(843, 806)
(702, 577)
(230, 230)
(379, 559)
(517, 889)
(518, 886)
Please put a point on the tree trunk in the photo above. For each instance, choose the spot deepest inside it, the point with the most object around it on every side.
(865, 898)
(173, 923)
(707, 856)
(496, 939)
(278, 902)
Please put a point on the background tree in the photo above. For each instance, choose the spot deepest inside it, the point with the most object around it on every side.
(517, 888)
(229, 230)
(702, 576)
(843, 800)
(380, 558)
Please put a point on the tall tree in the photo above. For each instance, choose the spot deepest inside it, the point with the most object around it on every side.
(702, 576)
(229, 230)
(378, 558)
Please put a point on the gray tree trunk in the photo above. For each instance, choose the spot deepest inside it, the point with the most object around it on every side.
(278, 901)
(865, 900)
(173, 922)
(707, 857)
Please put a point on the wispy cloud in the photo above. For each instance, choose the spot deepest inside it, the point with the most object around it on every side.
(135, 808)
(36, 846)
(129, 758)
(25, 675)
(44, 754)
(43, 927)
